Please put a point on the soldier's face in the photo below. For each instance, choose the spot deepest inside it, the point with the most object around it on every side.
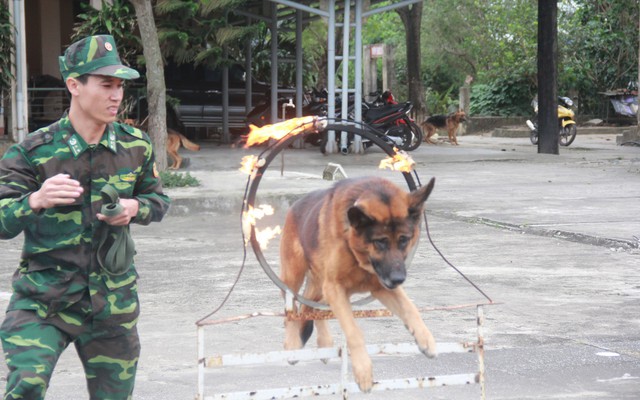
(99, 98)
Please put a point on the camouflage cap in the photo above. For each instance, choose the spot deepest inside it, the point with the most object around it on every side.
(95, 55)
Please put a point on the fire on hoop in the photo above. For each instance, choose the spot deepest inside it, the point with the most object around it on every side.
(401, 161)
(249, 163)
(249, 219)
(277, 131)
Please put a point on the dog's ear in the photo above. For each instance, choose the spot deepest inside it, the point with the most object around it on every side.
(418, 197)
(358, 218)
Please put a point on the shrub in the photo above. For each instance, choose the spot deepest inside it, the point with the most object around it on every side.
(177, 179)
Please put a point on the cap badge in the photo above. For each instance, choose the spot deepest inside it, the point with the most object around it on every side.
(108, 46)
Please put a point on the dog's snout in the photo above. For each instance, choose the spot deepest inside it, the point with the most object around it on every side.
(391, 274)
(397, 277)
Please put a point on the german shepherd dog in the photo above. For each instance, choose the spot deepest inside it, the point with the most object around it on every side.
(449, 122)
(353, 237)
(176, 139)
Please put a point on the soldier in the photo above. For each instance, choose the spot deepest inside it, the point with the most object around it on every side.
(73, 188)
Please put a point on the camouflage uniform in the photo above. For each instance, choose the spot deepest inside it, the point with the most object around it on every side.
(60, 293)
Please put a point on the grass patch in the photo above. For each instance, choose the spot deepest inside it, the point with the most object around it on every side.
(177, 179)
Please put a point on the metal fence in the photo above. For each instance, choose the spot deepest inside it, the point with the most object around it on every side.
(46, 105)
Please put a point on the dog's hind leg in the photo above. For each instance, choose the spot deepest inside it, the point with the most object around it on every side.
(177, 160)
(428, 132)
(314, 293)
(397, 302)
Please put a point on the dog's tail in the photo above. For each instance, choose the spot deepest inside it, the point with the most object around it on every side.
(188, 144)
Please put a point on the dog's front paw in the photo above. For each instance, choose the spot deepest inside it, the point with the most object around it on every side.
(428, 346)
(362, 372)
(292, 338)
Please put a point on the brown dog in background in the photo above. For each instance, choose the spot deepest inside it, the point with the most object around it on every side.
(449, 122)
(353, 237)
(175, 139)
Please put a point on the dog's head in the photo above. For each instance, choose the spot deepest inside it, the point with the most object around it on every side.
(460, 116)
(385, 223)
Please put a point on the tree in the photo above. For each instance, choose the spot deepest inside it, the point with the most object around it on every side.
(6, 47)
(157, 123)
(6, 53)
(602, 48)
(411, 17)
(125, 25)
(493, 42)
(197, 31)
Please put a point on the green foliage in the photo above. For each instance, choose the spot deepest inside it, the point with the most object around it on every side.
(6, 47)
(118, 20)
(314, 48)
(387, 28)
(177, 179)
(261, 57)
(197, 32)
(603, 51)
(501, 98)
(441, 102)
(494, 42)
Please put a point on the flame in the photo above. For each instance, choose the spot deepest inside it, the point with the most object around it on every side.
(294, 126)
(401, 161)
(249, 219)
(248, 164)
(264, 236)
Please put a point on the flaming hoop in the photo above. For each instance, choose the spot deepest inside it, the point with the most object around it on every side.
(401, 161)
(256, 166)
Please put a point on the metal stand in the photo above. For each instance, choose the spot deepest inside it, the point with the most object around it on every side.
(345, 386)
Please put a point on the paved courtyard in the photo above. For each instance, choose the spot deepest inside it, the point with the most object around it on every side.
(553, 239)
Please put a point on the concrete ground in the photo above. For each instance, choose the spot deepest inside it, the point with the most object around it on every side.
(553, 239)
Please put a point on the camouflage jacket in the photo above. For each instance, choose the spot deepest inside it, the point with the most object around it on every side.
(59, 264)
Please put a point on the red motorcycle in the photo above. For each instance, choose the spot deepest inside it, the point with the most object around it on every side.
(386, 115)
(387, 119)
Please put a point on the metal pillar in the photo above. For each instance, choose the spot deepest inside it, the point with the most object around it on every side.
(331, 77)
(19, 100)
(344, 112)
(274, 63)
(548, 133)
(248, 101)
(226, 135)
(299, 144)
(358, 73)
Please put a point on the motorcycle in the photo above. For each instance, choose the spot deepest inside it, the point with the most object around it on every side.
(566, 122)
(260, 115)
(387, 115)
(388, 119)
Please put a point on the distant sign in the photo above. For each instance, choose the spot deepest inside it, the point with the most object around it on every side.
(377, 50)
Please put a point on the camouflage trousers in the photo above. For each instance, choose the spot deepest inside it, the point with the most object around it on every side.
(32, 346)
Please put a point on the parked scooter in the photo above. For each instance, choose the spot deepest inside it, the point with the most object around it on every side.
(566, 122)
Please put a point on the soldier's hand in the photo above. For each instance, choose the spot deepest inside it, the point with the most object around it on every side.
(129, 211)
(55, 191)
